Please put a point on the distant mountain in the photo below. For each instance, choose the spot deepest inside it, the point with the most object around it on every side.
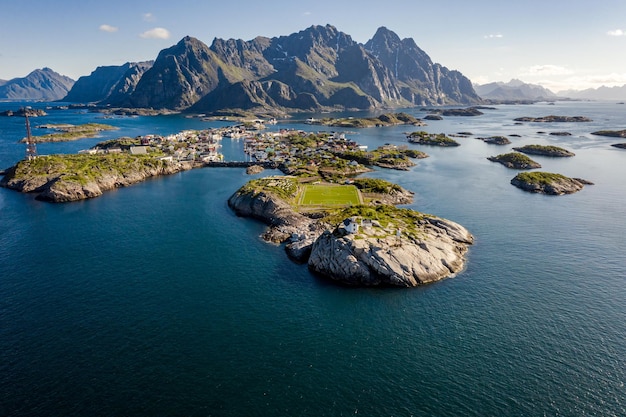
(319, 67)
(109, 83)
(41, 84)
(601, 93)
(513, 90)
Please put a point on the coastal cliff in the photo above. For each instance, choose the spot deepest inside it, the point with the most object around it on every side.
(67, 178)
(392, 246)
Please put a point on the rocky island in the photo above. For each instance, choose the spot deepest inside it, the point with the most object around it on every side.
(554, 119)
(496, 140)
(364, 244)
(515, 160)
(611, 133)
(545, 150)
(431, 139)
(68, 132)
(548, 183)
(389, 119)
(64, 178)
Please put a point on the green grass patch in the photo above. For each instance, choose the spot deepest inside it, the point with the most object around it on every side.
(545, 178)
(329, 195)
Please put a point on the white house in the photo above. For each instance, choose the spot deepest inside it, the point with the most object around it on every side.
(351, 225)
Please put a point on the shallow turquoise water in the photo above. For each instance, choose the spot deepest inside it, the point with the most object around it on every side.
(157, 300)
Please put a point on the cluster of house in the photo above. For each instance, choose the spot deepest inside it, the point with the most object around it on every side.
(188, 145)
(279, 146)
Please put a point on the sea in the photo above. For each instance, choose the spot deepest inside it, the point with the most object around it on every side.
(157, 300)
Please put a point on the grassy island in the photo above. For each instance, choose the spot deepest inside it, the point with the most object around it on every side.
(67, 132)
(389, 119)
(548, 183)
(611, 133)
(82, 168)
(432, 139)
(515, 160)
(545, 150)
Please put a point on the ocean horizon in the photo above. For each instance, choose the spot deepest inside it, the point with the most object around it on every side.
(156, 299)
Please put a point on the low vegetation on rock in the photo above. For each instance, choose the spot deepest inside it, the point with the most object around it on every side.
(548, 183)
(611, 133)
(553, 119)
(515, 160)
(388, 119)
(67, 132)
(432, 139)
(62, 178)
(496, 140)
(544, 150)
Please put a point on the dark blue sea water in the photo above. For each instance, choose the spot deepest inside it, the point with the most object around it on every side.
(157, 300)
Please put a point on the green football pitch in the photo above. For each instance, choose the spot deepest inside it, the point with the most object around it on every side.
(330, 195)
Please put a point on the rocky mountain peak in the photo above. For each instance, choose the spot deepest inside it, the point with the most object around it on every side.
(318, 67)
(40, 84)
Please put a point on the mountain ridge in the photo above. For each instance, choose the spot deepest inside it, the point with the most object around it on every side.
(317, 68)
(513, 90)
(40, 84)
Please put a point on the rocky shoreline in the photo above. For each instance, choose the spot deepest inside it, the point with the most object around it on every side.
(60, 186)
(410, 250)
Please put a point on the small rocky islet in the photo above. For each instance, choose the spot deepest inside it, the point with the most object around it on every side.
(545, 150)
(554, 119)
(548, 183)
(515, 160)
(496, 140)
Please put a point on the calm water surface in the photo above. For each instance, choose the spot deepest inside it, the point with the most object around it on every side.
(157, 300)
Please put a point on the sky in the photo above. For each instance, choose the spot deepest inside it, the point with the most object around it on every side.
(559, 44)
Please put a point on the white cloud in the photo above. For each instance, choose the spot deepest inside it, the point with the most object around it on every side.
(156, 33)
(148, 17)
(307, 13)
(546, 70)
(616, 32)
(494, 36)
(108, 28)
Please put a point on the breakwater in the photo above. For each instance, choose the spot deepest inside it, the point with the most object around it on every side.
(241, 164)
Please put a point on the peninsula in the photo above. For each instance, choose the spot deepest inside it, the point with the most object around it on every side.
(360, 242)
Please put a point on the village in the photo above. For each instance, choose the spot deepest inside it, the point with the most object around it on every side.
(292, 150)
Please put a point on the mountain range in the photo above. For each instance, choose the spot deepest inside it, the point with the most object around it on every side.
(40, 84)
(600, 93)
(514, 90)
(317, 68)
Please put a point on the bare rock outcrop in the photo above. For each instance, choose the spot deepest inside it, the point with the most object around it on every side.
(395, 260)
(285, 225)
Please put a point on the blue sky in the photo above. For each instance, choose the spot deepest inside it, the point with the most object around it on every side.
(560, 44)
